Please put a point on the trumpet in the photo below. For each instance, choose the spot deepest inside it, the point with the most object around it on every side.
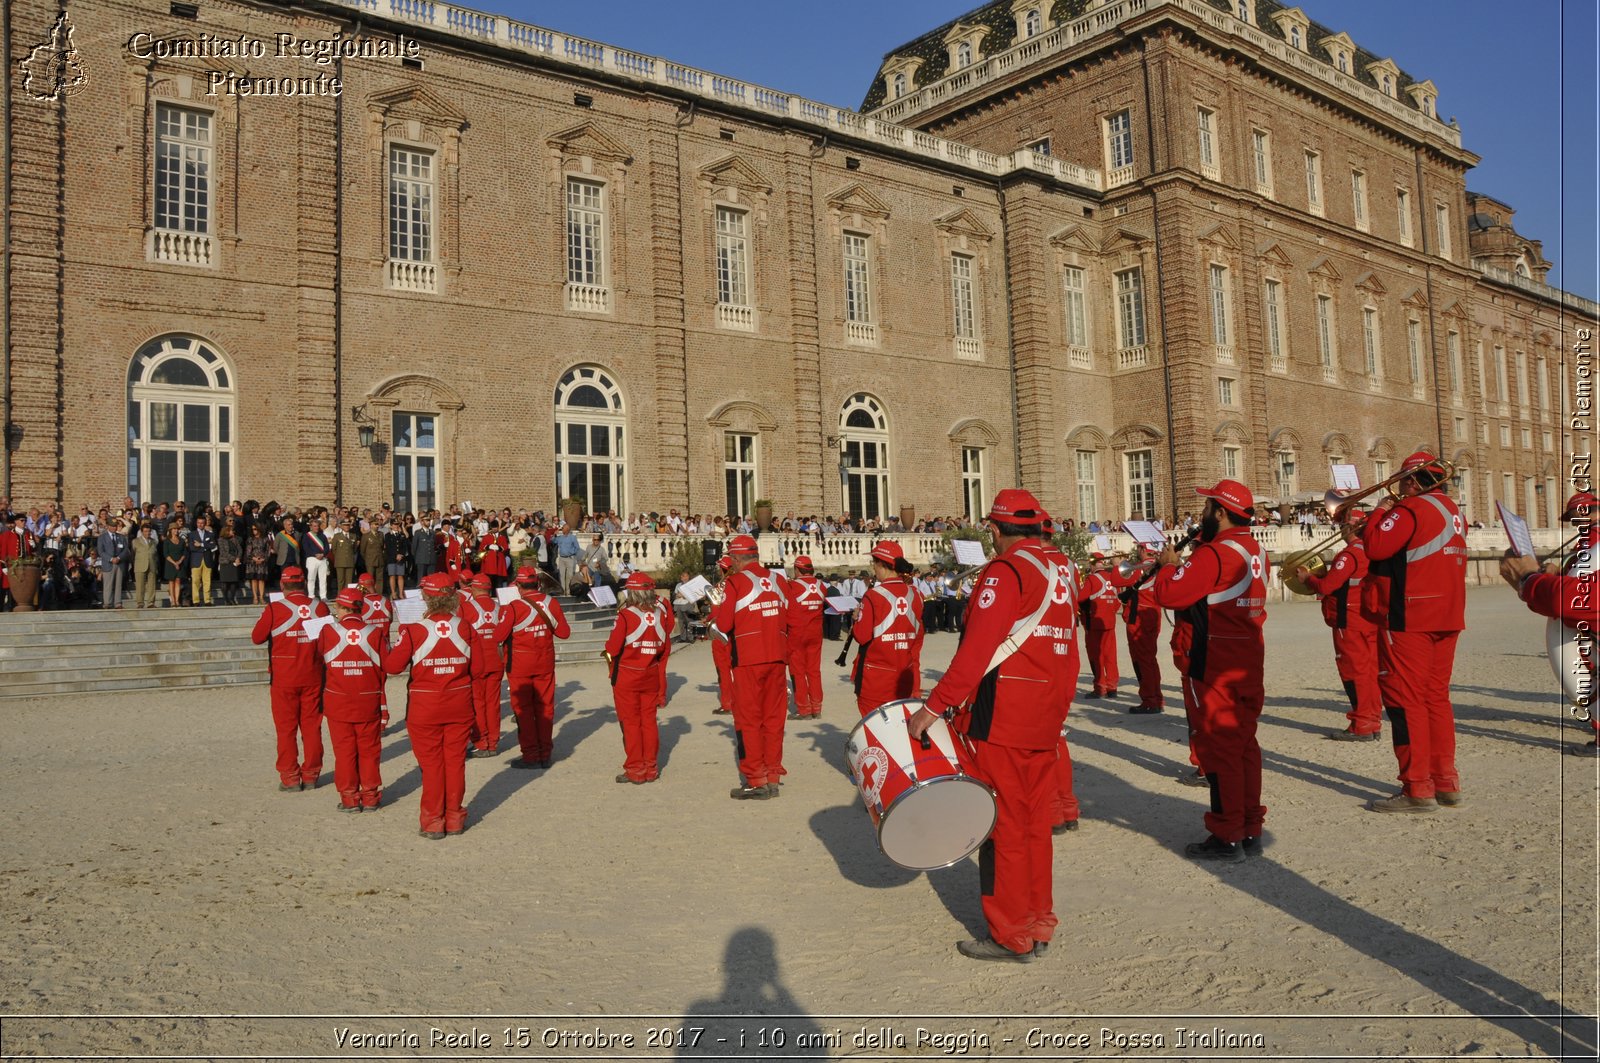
(1336, 501)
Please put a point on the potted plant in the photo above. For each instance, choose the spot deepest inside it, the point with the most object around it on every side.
(572, 512)
(764, 514)
(23, 574)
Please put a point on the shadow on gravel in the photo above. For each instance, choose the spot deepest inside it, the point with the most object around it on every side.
(755, 1017)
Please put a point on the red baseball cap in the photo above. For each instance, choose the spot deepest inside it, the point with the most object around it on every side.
(641, 581)
(1355, 515)
(1418, 460)
(1580, 506)
(481, 582)
(365, 579)
(742, 544)
(724, 563)
(1232, 496)
(1098, 556)
(1016, 506)
(888, 552)
(293, 575)
(438, 583)
(803, 563)
(350, 598)
(528, 576)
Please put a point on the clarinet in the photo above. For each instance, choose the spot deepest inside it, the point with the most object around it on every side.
(1127, 595)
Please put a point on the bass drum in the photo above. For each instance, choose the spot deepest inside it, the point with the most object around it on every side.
(1572, 660)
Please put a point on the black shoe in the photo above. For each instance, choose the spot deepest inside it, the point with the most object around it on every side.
(1588, 749)
(1251, 846)
(1194, 778)
(990, 949)
(1093, 696)
(622, 778)
(523, 765)
(1214, 848)
(432, 835)
(1040, 949)
(289, 788)
(1145, 710)
(1348, 735)
(347, 808)
(485, 753)
(1062, 828)
(545, 763)
(1113, 694)
(749, 793)
(772, 789)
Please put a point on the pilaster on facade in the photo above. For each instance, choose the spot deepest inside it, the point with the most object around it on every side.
(317, 412)
(1032, 358)
(670, 331)
(810, 431)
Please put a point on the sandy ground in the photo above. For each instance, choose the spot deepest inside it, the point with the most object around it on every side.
(150, 868)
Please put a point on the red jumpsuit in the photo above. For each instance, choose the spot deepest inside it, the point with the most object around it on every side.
(1355, 637)
(639, 646)
(1416, 594)
(531, 671)
(1099, 598)
(889, 628)
(1016, 702)
(377, 610)
(1142, 616)
(804, 618)
(496, 562)
(296, 677)
(492, 622)
(440, 651)
(1218, 598)
(352, 698)
(753, 617)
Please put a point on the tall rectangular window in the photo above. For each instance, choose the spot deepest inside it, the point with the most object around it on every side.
(1314, 182)
(1441, 230)
(585, 233)
(1452, 346)
(1261, 150)
(1369, 340)
(1358, 198)
(1119, 140)
(183, 169)
(1225, 391)
(973, 495)
(1522, 380)
(733, 264)
(1219, 303)
(1141, 485)
(1502, 382)
(739, 471)
(1076, 307)
(410, 204)
(966, 319)
(1414, 349)
(1380, 471)
(1130, 308)
(1207, 120)
(416, 461)
(1325, 331)
(857, 279)
(1402, 207)
(1230, 463)
(1288, 473)
(1274, 323)
(1088, 488)
(1542, 371)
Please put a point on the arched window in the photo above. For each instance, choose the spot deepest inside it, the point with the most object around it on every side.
(1294, 37)
(1032, 23)
(590, 451)
(864, 468)
(180, 423)
(963, 55)
(899, 85)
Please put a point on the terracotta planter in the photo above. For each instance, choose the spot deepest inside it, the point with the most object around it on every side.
(764, 518)
(908, 517)
(24, 586)
(573, 515)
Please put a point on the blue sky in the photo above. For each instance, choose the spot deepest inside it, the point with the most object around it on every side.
(1520, 78)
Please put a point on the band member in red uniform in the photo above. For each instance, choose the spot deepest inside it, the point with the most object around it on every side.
(1098, 597)
(494, 550)
(1011, 683)
(377, 611)
(1218, 598)
(439, 651)
(1142, 616)
(806, 599)
(752, 615)
(1355, 637)
(492, 622)
(352, 697)
(1416, 593)
(638, 649)
(1568, 593)
(295, 673)
(722, 652)
(536, 622)
(888, 628)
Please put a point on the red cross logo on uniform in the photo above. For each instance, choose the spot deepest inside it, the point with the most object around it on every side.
(442, 627)
(1061, 589)
(1458, 526)
(1257, 566)
(353, 638)
(902, 606)
(305, 612)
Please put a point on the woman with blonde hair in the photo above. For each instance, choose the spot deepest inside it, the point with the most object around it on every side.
(637, 652)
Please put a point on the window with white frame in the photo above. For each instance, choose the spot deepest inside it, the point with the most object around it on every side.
(590, 428)
(899, 85)
(586, 245)
(963, 55)
(1358, 198)
(1130, 308)
(965, 322)
(1461, 429)
(1527, 438)
(733, 271)
(1522, 381)
(1547, 439)
(1040, 146)
(1402, 210)
(1230, 463)
(1314, 182)
(1279, 359)
(183, 169)
(1502, 381)
(1119, 140)
(857, 278)
(1294, 39)
(739, 471)
(1287, 471)
(1325, 332)
(1261, 153)
(864, 431)
(1461, 488)
(1141, 485)
(1032, 23)
(1207, 121)
(1370, 341)
(973, 493)
(1225, 390)
(1218, 275)
(1380, 471)
(1508, 490)
(411, 186)
(1243, 11)
(1542, 372)
(1505, 436)
(1441, 229)
(1076, 305)
(416, 462)
(1086, 467)
(1414, 349)
(1452, 346)
(180, 422)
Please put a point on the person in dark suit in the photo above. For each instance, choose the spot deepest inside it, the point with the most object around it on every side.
(202, 561)
(422, 554)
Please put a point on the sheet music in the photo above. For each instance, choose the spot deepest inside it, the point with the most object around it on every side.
(603, 596)
(1146, 532)
(844, 604)
(409, 611)
(313, 627)
(1517, 532)
(968, 552)
(1102, 543)
(694, 590)
(1346, 478)
(414, 592)
(507, 595)
(275, 596)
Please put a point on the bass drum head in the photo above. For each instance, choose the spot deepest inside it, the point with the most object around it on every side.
(938, 823)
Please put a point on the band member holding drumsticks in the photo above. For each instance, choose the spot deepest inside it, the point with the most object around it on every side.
(1013, 678)
(888, 627)
(638, 649)
(806, 599)
(752, 615)
(1355, 636)
(1567, 593)
(1416, 592)
(1218, 598)
(536, 622)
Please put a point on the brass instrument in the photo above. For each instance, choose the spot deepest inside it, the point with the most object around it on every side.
(1312, 559)
(1336, 501)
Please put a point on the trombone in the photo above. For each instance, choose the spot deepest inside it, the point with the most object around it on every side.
(1336, 501)
(1311, 559)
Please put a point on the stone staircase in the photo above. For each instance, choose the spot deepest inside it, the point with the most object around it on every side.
(81, 651)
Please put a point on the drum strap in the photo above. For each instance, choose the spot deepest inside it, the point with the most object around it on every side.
(1023, 629)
